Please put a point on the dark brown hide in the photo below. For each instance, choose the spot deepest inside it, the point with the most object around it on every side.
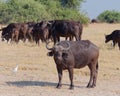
(80, 54)
(114, 37)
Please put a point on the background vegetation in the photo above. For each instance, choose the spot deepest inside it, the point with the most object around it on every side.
(36, 10)
(109, 16)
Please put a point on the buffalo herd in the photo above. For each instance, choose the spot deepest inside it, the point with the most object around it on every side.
(49, 30)
(67, 54)
(43, 30)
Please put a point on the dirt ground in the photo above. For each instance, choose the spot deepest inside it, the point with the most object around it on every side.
(37, 74)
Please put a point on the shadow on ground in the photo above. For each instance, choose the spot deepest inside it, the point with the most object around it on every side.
(31, 83)
(36, 83)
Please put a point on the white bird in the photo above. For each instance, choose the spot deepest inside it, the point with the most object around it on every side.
(15, 69)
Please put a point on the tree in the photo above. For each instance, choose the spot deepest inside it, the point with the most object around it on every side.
(34, 10)
(74, 4)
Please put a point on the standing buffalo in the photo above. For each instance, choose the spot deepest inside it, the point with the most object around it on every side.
(17, 31)
(63, 28)
(115, 37)
(66, 28)
(75, 54)
(30, 31)
(41, 31)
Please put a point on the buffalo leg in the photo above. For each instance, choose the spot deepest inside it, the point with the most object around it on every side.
(114, 44)
(93, 75)
(91, 78)
(12, 38)
(30, 37)
(66, 38)
(24, 38)
(71, 38)
(80, 37)
(70, 70)
(77, 38)
(16, 39)
(59, 76)
(37, 40)
(55, 40)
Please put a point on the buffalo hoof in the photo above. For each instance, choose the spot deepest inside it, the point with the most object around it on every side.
(93, 86)
(90, 86)
(71, 87)
(58, 86)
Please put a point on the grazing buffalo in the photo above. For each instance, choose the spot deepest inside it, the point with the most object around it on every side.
(7, 32)
(41, 31)
(4, 34)
(115, 37)
(75, 54)
(17, 31)
(94, 21)
(14, 31)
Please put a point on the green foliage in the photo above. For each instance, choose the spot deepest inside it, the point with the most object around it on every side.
(21, 11)
(74, 4)
(34, 10)
(109, 16)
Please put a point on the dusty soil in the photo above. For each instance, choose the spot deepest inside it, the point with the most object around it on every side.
(37, 75)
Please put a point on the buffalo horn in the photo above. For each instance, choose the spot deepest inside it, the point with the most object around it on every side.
(48, 47)
(68, 46)
(63, 48)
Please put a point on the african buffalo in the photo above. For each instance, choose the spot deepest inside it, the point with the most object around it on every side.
(14, 31)
(75, 54)
(17, 31)
(63, 28)
(6, 32)
(66, 28)
(41, 31)
(94, 21)
(30, 31)
(115, 37)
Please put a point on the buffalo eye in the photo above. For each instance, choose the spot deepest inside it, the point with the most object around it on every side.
(50, 53)
(57, 54)
(65, 55)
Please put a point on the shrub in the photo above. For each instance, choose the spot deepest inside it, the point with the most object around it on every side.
(109, 16)
(36, 10)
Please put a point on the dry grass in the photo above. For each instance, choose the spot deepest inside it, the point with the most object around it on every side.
(34, 65)
(109, 57)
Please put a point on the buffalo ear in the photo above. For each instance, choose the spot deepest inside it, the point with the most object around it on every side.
(50, 53)
(1, 29)
(65, 55)
(105, 35)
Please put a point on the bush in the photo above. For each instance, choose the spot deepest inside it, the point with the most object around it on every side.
(21, 11)
(109, 16)
(36, 10)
